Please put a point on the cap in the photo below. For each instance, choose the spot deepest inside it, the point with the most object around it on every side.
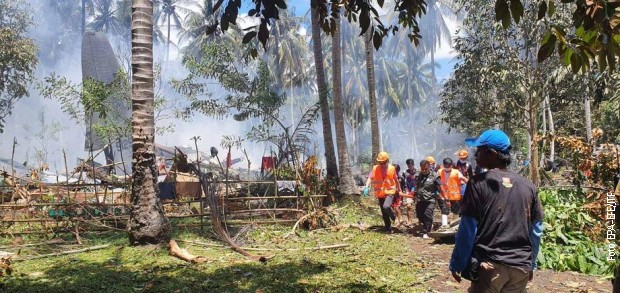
(492, 138)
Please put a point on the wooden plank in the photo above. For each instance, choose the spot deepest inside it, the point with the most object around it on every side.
(233, 222)
(61, 204)
(265, 210)
(248, 198)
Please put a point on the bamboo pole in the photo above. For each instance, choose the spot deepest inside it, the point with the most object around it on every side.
(64, 155)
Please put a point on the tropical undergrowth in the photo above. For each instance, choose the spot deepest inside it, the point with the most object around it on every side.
(574, 237)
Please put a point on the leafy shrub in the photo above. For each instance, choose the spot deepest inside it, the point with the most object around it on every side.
(572, 237)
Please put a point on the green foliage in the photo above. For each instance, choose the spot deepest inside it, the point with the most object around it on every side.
(110, 102)
(248, 97)
(363, 13)
(18, 55)
(573, 239)
(596, 25)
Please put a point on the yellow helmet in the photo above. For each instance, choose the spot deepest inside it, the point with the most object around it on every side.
(430, 159)
(463, 154)
(383, 157)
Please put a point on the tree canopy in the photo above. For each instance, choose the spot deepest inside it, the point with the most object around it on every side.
(18, 56)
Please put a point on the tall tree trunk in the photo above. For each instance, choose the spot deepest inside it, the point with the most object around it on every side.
(168, 43)
(209, 7)
(83, 17)
(588, 117)
(277, 69)
(544, 125)
(147, 224)
(375, 133)
(347, 184)
(434, 80)
(551, 130)
(532, 129)
(330, 155)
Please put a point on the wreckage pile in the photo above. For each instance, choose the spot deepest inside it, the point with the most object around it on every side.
(92, 199)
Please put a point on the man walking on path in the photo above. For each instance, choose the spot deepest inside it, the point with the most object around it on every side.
(450, 182)
(501, 222)
(426, 192)
(385, 185)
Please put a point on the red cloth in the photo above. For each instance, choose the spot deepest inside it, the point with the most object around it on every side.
(228, 160)
(267, 163)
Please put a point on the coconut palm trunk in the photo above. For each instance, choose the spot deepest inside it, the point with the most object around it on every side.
(168, 43)
(372, 98)
(148, 224)
(330, 155)
(347, 184)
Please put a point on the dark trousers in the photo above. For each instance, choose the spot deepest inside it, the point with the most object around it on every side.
(449, 205)
(424, 212)
(386, 211)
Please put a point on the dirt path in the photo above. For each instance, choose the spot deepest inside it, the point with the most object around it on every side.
(434, 258)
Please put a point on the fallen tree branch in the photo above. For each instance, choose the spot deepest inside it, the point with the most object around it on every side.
(270, 249)
(63, 252)
(293, 231)
(217, 222)
(344, 227)
(183, 254)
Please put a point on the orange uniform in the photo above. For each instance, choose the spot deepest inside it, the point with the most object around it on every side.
(451, 185)
(384, 184)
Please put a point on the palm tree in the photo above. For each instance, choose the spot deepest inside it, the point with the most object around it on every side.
(355, 89)
(147, 224)
(347, 185)
(170, 9)
(105, 17)
(435, 27)
(330, 155)
(375, 133)
(196, 23)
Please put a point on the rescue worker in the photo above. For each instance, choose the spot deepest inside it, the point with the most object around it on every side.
(409, 189)
(432, 163)
(385, 185)
(426, 193)
(450, 181)
(464, 167)
(499, 235)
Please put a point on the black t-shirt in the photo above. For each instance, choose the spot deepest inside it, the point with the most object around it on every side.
(426, 186)
(505, 204)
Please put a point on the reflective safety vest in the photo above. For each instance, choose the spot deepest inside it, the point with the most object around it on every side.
(384, 186)
(451, 187)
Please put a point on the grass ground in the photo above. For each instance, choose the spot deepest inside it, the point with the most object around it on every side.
(373, 262)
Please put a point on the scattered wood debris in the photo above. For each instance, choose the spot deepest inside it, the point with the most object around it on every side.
(5, 265)
(183, 254)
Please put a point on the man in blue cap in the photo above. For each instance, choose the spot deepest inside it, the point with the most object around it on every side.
(501, 222)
